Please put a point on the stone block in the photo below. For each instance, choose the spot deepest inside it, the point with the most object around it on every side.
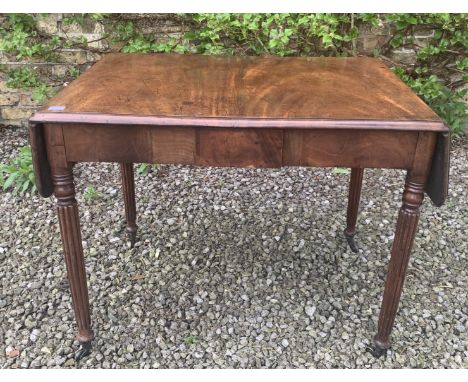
(9, 99)
(423, 31)
(88, 26)
(3, 86)
(14, 122)
(404, 56)
(72, 56)
(384, 28)
(11, 113)
(47, 23)
(93, 56)
(27, 100)
(422, 41)
(93, 39)
(367, 43)
(66, 27)
(60, 70)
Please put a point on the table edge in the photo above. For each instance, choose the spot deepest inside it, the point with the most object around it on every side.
(240, 122)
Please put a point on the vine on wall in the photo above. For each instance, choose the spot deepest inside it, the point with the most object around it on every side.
(439, 73)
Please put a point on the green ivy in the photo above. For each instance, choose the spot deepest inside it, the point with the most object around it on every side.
(448, 104)
(253, 34)
(20, 37)
(144, 168)
(445, 53)
(18, 174)
(26, 78)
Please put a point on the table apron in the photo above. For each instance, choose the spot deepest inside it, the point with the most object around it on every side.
(236, 147)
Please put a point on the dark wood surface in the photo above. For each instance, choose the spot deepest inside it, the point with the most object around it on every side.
(40, 163)
(171, 89)
(438, 182)
(239, 147)
(128, 188)
(67, 209)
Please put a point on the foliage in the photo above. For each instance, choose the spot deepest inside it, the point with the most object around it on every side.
(27, 79)
(440, 69)
(18, 174)
(443, 55)
(280, 34)
(448, 104)
(74, 72)
(90, 193)
(20, 37)
(190, 340)
(144, 168)
(252, 34)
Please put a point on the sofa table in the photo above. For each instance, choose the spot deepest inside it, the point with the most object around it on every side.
(245, 112)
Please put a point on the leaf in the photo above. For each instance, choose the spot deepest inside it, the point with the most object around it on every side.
(340, 170)
(143, 169)
(25, 186)
(17, 187)
(10, 180)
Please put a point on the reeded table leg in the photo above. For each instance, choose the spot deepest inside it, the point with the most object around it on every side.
(354, 196)
(403, 242)
(128, 186)
(67, 208)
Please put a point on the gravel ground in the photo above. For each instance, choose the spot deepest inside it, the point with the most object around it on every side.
(233, 268)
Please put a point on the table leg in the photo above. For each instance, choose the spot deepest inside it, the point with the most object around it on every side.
(128, 186)
(354, 196)
(67, 208)
(408, 217)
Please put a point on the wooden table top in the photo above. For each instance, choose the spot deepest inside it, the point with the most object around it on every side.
(226, 91)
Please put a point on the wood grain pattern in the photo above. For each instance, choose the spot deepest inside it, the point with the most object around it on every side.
(195, 86)
(40, 162)
(55, 145)
(96, 143)
(251, 123)
(173, 145)
(354, 197)
(128, 188)
(438, 182)
(67, 209)
(408, 217)
(413, 196)
(355, 149)
(239, 147)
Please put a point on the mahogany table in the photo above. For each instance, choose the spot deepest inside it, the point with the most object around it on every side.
(243, 112)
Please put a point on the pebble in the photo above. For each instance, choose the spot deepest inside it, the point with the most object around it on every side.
(34, 334)
(310, 310)
(265, 279)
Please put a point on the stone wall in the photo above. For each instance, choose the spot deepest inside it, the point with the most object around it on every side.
(16, 105)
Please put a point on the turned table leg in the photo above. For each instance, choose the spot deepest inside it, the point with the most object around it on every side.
(67, 208)
(404, 236)
(354, 196)
(128, 186)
